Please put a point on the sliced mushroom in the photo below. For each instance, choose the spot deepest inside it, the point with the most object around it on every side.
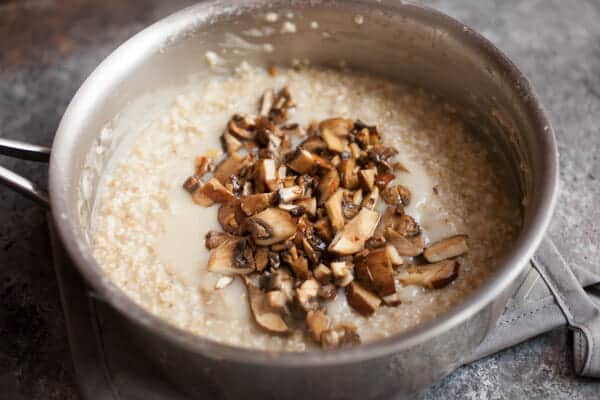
(282, 280)
(230, 166)
(202, 164)
(370, 201)
(349, 209)
(394, 256)
(355, 150)
(221, 259)
(357, 197)
(342, 272)
(396, 195)
(432, 276)
(328, 185)
(334, 142)
(339, 336)
(309, 205)
(352, 238)
(265, 316)
(314, 144)
(317, 323)
(322, 274)
(214, 190)
(383, 180)
(374, 271)
(302, 161)
(256, 203)
(214, 239)
(266, 102)
(307, 293)
(277, 299)
(323, 229)
(270, 226)
(335, 211)
(289, 194)
(294, 129)
(336, 126)
(362, 300)
(266, 175)
(192, 184)
(261, 258)
(349, 177)
(448, 248)
(200, 198)
(328, 292)
(243, 255)
(367, 178)
(298, 264)
(232, 218)
(404, 246)
(242, 127)
(231, 143)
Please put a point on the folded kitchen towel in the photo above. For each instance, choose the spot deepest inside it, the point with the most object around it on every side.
(551, 295)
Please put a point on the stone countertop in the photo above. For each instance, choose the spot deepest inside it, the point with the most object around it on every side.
(48, 47)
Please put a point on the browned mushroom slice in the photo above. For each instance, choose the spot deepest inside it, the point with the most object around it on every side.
(243, 254)
(355, 150)
(242, 127)
(232, 165)
(298, 264)
(261, 258)
(202, 164)
(322, 274)
(266, 174)
(310, 205)
(214, 190)
(323, 229)
(307, 295)
(232, 218)
(265, 316)
(256, 203)
(362, 300)
(370, 201)
(432, 276)
(335, 211)
(192, 184)
(334, 142)
(395, 257)
(328, 292)
(367, 178)
(349, 177)
(317, 323)
(357, 197)
(396, 195)
(352, 238)
(231, 143)
(374, 271)
(404, 246)
(266, 102)
(214, 239)
(349, 209)
(270, 226)
(383, 180)
(314, 144)
(339, 336)
(221, 259)
(277, 299)
(282, 280)
(302, 161)
(448, 248)
(294, 129)
(328, 185)
(336, 126)
(342, 272)
(289, 194)
(398, 166)
(200, 198)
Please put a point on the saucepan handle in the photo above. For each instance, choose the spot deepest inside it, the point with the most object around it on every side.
(18, 183)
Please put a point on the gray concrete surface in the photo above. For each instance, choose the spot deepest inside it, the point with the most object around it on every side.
(47, 47)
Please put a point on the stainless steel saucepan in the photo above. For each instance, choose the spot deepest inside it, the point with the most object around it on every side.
(385, 38)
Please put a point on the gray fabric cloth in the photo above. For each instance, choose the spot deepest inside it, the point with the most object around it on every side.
(109, 367)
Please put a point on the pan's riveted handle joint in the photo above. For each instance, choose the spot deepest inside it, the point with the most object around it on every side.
(29, 152)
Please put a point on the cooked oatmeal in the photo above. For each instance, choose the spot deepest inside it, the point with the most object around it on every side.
(148, 234)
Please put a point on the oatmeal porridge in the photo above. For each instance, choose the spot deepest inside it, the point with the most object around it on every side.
(338, 209)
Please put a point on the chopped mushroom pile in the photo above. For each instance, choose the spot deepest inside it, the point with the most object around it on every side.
(301, 222)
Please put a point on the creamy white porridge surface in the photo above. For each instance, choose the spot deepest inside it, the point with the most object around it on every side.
(148, 234)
